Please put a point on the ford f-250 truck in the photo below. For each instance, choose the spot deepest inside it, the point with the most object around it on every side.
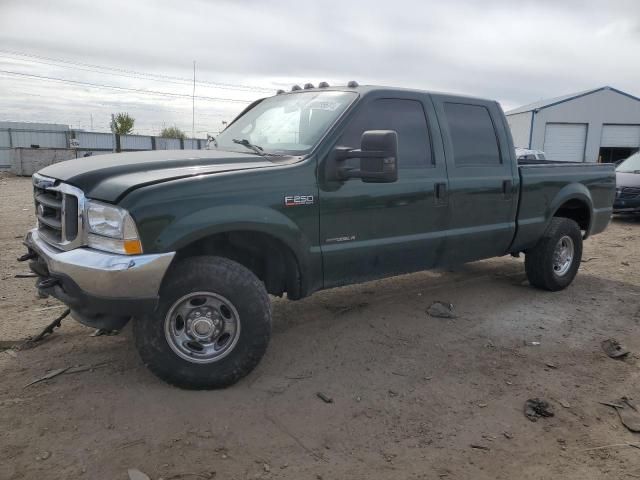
(305, 190)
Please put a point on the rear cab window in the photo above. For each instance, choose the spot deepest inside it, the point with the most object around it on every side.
(473, 135)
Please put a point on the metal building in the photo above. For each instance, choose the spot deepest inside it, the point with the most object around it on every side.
(46, 136)
(598, 125)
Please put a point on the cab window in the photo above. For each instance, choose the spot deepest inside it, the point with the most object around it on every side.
(406, 117)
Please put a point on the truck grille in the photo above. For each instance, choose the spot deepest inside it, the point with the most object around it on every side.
(628, 192)
(58, 210)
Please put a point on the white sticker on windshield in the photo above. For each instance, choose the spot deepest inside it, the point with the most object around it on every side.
(329, 106)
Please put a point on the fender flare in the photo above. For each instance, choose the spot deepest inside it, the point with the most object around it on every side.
(214, 220)
(572, 191)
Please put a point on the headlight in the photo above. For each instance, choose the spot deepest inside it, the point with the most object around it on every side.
(111, 228)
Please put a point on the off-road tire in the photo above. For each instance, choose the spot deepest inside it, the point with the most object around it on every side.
(539, 259)
(223, 277)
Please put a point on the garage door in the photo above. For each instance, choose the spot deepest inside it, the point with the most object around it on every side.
(565, 141)
(620, 136)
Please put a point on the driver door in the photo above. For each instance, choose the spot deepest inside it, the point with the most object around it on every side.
(372, 230)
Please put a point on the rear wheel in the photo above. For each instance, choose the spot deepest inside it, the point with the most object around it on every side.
(553, 263)
(211, 327)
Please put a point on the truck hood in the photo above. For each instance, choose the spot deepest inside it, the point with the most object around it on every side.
(109, 177)
(625, 179)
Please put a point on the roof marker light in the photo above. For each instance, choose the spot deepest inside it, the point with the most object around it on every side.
(352, 84)
(308, 86)
(323, 85)
(280, 92)
(295, 88)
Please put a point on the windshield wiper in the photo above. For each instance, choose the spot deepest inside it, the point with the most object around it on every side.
(246, 143)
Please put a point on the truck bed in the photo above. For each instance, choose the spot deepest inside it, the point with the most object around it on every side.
(546, 183)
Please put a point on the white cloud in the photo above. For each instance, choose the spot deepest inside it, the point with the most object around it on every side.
(515, 52)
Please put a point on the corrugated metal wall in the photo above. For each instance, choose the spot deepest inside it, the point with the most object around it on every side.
(135, 142)
(168, 144)
(48, 135)
(95, 141)
(191, 144)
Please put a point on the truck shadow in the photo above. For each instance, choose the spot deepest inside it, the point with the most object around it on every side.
(503, 279)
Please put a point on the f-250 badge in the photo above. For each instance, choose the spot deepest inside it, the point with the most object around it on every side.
(297, 200)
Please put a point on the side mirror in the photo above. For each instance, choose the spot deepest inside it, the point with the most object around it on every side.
(378, 154)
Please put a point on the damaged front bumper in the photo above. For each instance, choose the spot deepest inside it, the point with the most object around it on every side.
(102, 289)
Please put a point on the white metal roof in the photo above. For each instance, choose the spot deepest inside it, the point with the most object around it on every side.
(564, 98)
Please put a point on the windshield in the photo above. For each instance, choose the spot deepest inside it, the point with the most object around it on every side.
(631, 164)
(286, 124)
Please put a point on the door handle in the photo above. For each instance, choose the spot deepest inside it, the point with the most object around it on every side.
(507, 188)
(440, 192)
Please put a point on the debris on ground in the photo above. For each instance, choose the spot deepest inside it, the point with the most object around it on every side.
(441, 310)
(25, 275)
(325, 398)
(47, 376)
(564, 403)
(531, 344)
(551, 365)
(587, 260)
(85, 368)
(132, 443)
(535, 408)
(479, 447)
(48, 330)
(613, 348)
(66, 370)
(43, 455)
(135, 474)
(627, 412)
(614, 445)
(103, 331)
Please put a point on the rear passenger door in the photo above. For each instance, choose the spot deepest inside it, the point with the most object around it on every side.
(482, 178)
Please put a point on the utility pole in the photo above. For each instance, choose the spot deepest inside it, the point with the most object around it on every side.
(113, 130)
(193, 103)
(91, 116)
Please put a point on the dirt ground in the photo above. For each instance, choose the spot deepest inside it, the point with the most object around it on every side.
(413, 396)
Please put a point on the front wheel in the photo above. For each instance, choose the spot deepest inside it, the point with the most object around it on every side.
(553, 263)
(212, 325)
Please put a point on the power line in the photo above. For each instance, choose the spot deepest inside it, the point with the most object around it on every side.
(131, 107)
(124, 71)
(74, 67)
(114, 87)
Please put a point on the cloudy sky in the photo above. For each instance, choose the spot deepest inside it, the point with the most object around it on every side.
(139, 55)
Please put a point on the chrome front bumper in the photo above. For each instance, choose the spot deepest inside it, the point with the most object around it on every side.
(101, 274)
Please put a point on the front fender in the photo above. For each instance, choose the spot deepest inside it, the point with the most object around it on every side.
(219, 219)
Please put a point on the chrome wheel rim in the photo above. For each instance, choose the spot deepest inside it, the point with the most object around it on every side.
(202, 327)
(563, 256)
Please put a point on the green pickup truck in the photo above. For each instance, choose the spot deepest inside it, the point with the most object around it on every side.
(305, 190)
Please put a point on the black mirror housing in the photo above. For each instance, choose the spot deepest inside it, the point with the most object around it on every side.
(378, 154)
(383, 168)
